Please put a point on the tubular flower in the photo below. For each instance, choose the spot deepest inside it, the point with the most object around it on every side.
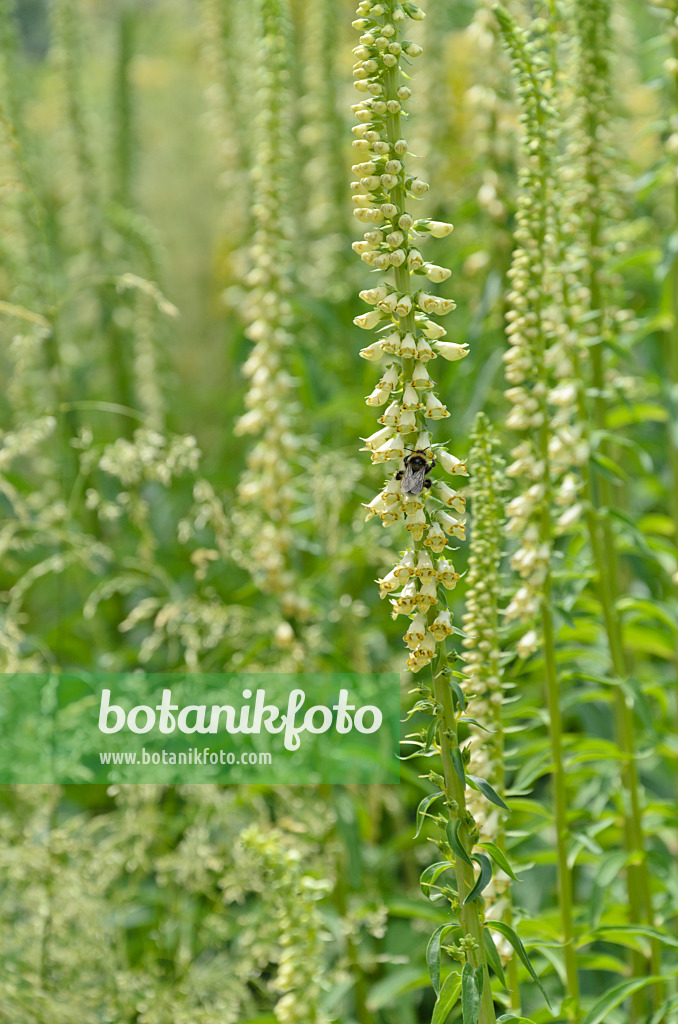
(271, 410)
(402, 306)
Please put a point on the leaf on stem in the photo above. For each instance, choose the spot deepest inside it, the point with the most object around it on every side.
(493, 959)
(483, 879)
(470, 996)
(452, 833)
(431, 874)
(486, 789)
(507, 931)
(449, 993)
(433, 954)
(500, 859)
(422, 809)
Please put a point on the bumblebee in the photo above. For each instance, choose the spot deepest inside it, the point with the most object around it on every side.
(415, 474)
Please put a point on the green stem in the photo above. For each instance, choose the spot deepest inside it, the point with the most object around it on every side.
(598, 495)
(494, 508)
(565, 886)
(454, 790)
(565, 893)
(606, 560)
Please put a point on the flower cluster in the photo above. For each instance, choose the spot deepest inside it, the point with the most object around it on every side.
(292, 896)
(483, 683)
(322, 176)
(402, 308)
(271, 411)
(491, 113)
(482, 652)
(540, 362)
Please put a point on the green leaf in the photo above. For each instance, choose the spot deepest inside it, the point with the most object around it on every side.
(506, 1017)
(493, 957)
(431, 874)
(486, 789)
(661, 1015)
(638, 412)
(422, 809)
(458, 764)
(394, 985)
(607, 931)
(449, 993)
(452, 833)
(500, 859)
(615, 996)
(458, 693)
(648, 610)
(507, 931)
(608, 467)
(470, 996)
(474, 721)
(433, 954)
(483, 879)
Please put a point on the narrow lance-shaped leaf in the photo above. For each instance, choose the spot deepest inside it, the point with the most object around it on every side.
(483, 879)
(507, 931)
(493, 957)
(486, 789)
(458, 764)
(422, 809)
(433, 954)
(452, 833)
(510, 1018)
(470, 996)
(431, 874)
(449, 993)
(615, 996)
(500, 859)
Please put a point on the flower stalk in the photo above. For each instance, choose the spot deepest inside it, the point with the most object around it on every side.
(592, 34)
(408, 340)
(271, 416)
(538, 367)
(483, 683)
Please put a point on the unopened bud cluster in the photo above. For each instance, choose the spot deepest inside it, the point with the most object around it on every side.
(482, 651)
(271, 410)
(408, 339)
(490, 112)
(540, 364)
